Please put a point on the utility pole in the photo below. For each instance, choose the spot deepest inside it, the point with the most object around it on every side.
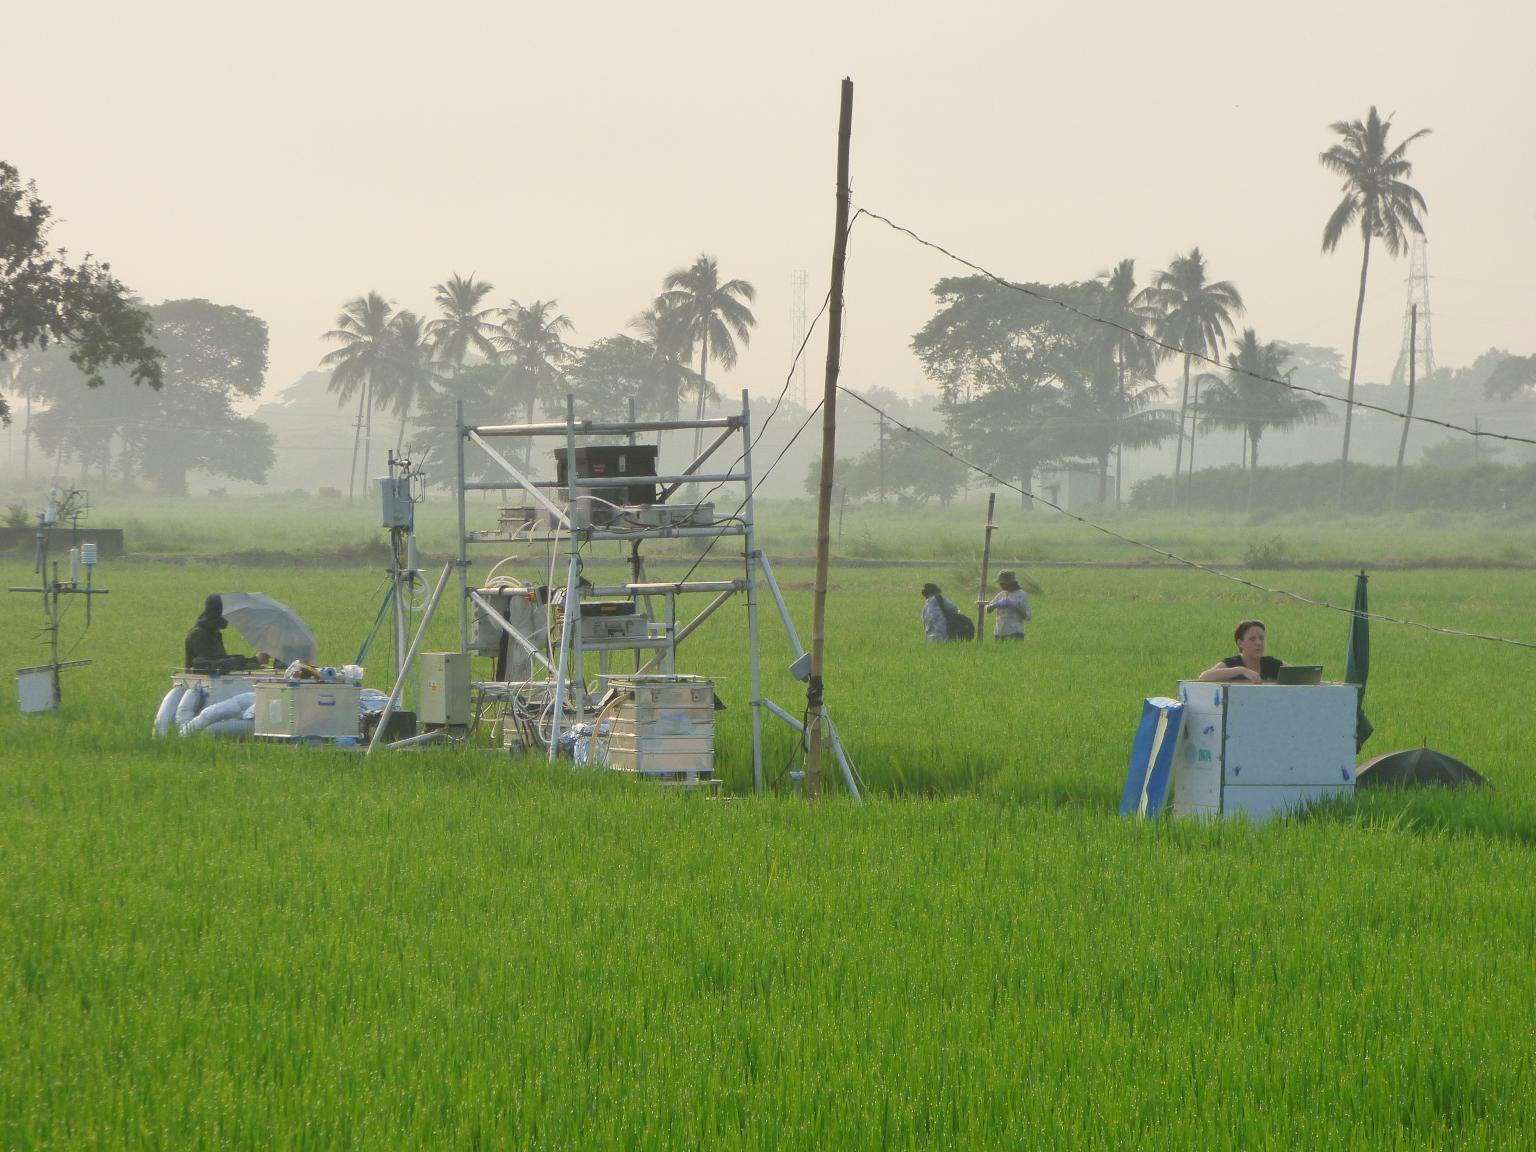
(881, 424)
(814, 685)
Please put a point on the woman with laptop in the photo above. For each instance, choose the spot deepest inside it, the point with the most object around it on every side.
(1250, 665)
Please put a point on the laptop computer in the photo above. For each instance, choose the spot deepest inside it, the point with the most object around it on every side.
(1300, 674)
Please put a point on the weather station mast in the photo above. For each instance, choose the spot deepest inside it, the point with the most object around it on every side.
(37, 688)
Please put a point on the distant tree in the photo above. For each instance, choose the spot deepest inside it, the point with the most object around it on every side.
(531, 343)
(1512, 376)
(45, 299)
(214, 354)
(1248, 398)
(462, 326)
(1134, 359)
(478, 388)
(714, 315)
(1194, 314)
(1376, 193)
(361, 366)
(999, 356)
(607, 374)
(664, 331)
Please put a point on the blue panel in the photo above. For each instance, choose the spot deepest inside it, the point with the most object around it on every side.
(1150, 771)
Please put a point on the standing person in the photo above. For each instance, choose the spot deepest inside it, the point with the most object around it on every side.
(937, 610)
(1009, 608)
(204, 645)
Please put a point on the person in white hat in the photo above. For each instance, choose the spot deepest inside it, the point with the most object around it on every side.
(1009, 608)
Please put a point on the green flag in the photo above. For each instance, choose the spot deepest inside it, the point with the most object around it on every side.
(1357, 665)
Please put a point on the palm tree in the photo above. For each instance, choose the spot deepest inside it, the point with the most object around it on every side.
(410, 376)
(1194, 315)
(1251, 399)
(532, 338)
(463, 325)
(714, 316)
(1376, 193)
(363, 360)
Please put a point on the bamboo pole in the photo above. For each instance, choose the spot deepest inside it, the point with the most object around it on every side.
(986, 559)
(813, 687)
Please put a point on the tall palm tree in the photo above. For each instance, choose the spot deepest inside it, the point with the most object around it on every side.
(1194, 315)
(1377, 194)
(714, 315)
(411, 375)
(531, 339)
(1250, 399)
(462, 324)
(362, 361)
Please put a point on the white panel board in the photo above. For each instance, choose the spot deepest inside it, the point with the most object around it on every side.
(1290, 735)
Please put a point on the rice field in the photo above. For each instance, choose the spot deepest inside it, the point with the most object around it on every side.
(208, 944)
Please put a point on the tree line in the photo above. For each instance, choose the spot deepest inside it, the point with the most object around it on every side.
(1028, 375)
(518, 357)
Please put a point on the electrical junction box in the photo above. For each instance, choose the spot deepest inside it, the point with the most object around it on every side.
(307, 709)
(443, 691)
(675, 516)
(395, 507)
(629, 627)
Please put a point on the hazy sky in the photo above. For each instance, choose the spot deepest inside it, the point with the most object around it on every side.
(287, 157)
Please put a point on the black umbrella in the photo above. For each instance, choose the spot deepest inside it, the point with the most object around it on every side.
(1409, 767)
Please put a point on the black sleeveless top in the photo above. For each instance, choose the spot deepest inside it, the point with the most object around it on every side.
(1269, 666)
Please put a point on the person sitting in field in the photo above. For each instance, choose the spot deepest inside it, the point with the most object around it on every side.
(937, 610)
(1250, 664)
(1009, 608)
(204, 646)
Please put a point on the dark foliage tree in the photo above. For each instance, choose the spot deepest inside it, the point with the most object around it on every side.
(45, 299)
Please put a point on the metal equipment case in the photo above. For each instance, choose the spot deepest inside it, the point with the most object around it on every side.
(663, 727)
(307, 709)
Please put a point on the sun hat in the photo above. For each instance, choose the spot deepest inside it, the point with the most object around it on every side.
(1007, 578)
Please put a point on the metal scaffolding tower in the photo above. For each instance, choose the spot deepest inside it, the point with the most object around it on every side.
(600, 496)
(1418, 294)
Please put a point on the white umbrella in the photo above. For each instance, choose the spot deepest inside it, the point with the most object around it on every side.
(270, 626)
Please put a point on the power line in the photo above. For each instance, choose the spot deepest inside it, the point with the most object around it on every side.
(1186, 562)
(1147, 337)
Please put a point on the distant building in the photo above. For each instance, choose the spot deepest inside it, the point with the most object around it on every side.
(1073, 487)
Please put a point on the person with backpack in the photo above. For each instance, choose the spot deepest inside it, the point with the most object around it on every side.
(941, 619)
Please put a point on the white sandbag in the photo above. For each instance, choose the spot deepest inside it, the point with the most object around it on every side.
(231, 709)
(238, 727)
(167, 710)
(190, 704)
